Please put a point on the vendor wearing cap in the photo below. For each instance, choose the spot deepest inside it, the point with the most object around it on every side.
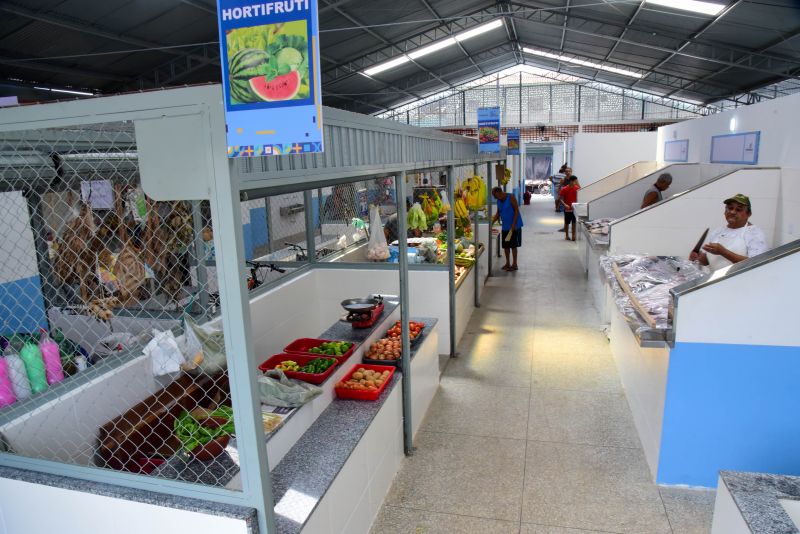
(735, 242)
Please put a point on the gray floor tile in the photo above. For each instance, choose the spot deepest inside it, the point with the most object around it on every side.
(583, 417)
(528, 528)
(463, 475)
(395, 520)
(585, 372)
(689, 511)
(589, 487)
(461, 408)
(496, 369)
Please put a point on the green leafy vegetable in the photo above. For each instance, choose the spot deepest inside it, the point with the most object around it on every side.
(192, 434)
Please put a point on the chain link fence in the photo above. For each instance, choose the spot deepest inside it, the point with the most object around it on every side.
(97, 284)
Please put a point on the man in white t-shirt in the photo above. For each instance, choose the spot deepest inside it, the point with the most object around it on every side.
(735, 242)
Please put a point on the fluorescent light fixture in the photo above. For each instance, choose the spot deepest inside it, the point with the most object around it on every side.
(386, 65)
(433, 47)
(732, 125)
(67, 91)
(477, 30)
(706, 8)
(438, 45)
(582, 62)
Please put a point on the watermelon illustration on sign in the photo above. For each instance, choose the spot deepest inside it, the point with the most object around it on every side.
(283, 87)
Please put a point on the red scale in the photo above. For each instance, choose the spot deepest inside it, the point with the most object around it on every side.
(363, 313)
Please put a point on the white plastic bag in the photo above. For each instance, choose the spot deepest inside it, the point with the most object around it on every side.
(378, 248)
(164, 353)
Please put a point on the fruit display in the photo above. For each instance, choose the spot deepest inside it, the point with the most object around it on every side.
(331, 348)
(417, 220)
(506, 177)
(388, 348)
(365, 380)
(288, 365)
(414, 330)
(475, 189)
(430, 207)
(317, 366)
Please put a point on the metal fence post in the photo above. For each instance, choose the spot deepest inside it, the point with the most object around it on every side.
(489, 203)
(311, 245)
(476, 219)
(402, 241)
(451, 257)
(200, 255)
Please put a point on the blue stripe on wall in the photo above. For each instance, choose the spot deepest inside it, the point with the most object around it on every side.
(732, 407)
(248, 241)
(22, 306)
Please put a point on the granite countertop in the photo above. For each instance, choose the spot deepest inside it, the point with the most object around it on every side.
(137, 495)
(301, 479)
(757, 496)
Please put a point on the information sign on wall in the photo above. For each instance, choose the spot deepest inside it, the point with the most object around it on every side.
(270, 77)
(489, 129)
(739, 148)
(513, 142)
(676, 150)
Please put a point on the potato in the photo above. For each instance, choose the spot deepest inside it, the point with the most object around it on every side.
(358, 375)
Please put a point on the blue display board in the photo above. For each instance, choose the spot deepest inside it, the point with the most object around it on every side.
(489, 129)
(741, 148)
(513, 142)
(676, 150)
(270, 77)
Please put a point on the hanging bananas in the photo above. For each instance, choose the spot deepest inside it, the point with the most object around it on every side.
(506, 176)
(475, 189)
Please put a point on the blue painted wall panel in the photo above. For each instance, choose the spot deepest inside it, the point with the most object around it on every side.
(248, 241)
(258, 226)
(23, 306)
(733, 407)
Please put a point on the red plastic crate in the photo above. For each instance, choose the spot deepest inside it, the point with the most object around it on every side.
(357, 394)
(301, 360)
(302, 346)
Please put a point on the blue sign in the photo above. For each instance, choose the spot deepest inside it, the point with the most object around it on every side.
(512, 142)
(270, 77)
(489, 129)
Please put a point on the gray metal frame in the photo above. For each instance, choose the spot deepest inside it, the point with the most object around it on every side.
(367, 145)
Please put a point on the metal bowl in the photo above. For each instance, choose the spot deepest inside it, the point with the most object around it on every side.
(361, 305)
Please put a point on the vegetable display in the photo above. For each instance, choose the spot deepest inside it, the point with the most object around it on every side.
(414, 329)
(417, 220)
(317, 366)
(192, 433)
(364, 379)
(288, 365)
(385, 349)
(331, 348)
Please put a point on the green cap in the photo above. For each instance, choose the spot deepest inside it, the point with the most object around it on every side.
(744, 200)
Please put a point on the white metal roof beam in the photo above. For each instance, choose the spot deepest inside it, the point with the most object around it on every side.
(625, 29)
(436, 14)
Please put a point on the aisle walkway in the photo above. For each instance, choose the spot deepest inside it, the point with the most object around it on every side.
(530, 431)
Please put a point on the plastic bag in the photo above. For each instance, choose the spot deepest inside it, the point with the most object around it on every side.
(165, 356)
(445, 203)
(205, 349)
(427, 249)
(417, 220)
(377, 249)
(276, 389)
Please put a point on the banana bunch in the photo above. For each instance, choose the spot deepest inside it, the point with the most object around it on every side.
(460, 209)
(506, 177)
(430, 209)
(475, 188)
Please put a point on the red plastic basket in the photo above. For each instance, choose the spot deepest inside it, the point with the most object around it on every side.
(302, 346)
(357, 394)
(301, 360)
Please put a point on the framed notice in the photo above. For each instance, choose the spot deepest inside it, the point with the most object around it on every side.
(270, 77)
(676, 150)
(489, 129)
(513, 142)
(741, 148)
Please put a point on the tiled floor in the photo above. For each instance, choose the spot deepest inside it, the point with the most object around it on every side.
(530, 432)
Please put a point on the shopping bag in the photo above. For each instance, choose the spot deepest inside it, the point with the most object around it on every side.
(205, 347)
(276, 389)
(377, 248)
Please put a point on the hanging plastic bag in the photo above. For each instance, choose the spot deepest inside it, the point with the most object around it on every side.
(417, 220)
(209, 358)
(276, 389)
(165, 356)
(445, 203)
(378, 248)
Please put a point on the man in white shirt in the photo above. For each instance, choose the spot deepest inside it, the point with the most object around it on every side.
(735, 242)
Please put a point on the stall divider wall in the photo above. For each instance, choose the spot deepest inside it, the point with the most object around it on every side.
(599, 154)
(672, 227)
(788, 228)
(732, 390)
(616, 179)
(628, 199)
(776, 119)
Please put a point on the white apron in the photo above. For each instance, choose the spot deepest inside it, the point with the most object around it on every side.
(733, 240)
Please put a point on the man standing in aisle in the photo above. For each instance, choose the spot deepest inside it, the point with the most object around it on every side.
(567, 196)
(511, 236)
(558, 182)
(735, 242)
(653, 195)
